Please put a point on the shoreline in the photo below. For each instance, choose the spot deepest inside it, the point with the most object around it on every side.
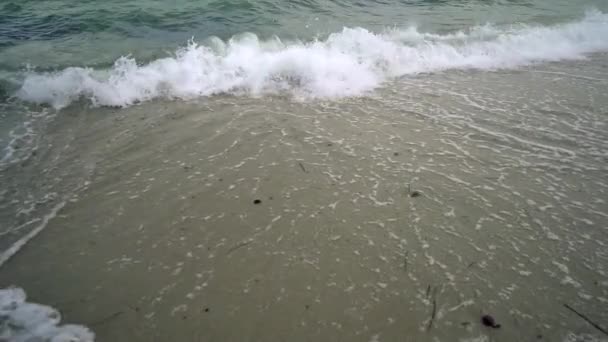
(168, 241)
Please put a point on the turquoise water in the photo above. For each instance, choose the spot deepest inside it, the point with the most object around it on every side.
(42, 37)
(121, 54)
(57, 34)
(120, 115)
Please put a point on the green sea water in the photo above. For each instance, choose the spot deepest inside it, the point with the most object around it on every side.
(57, 34)
(303, 170)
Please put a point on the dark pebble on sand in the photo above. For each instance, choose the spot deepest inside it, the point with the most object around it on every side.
(415, 194)
(396, 154)
(489, 321)
(206, 309)
(257, 201)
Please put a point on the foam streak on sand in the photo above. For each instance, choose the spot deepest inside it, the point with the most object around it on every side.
(347, 63)
(6, 255)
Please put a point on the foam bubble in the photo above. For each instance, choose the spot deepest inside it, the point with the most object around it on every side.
(21, 321)
(572, 337)
(348, 63)
(21, 140)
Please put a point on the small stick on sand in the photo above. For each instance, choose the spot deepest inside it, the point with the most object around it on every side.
(595, 325)
(434, 312)
(240, 245)
(302, 167)
(106, 319)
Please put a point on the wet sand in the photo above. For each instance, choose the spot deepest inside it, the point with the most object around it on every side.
(405, 215)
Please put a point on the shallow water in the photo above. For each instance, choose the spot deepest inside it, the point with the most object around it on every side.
(426, 178)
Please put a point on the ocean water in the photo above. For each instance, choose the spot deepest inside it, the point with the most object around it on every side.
(307, 170)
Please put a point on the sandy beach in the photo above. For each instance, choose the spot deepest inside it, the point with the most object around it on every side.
(405, 215)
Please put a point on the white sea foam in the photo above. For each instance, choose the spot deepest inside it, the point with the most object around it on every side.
(348, 63)
(16, 247)
(21, 140)
(21, 321)
(572, 337)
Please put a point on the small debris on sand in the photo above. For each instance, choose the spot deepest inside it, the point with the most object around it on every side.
(489, 321)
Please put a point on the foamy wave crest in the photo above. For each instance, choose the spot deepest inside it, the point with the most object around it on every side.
(347, 63)
(21, 321)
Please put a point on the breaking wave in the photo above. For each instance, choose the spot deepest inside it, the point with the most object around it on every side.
(347, 63)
